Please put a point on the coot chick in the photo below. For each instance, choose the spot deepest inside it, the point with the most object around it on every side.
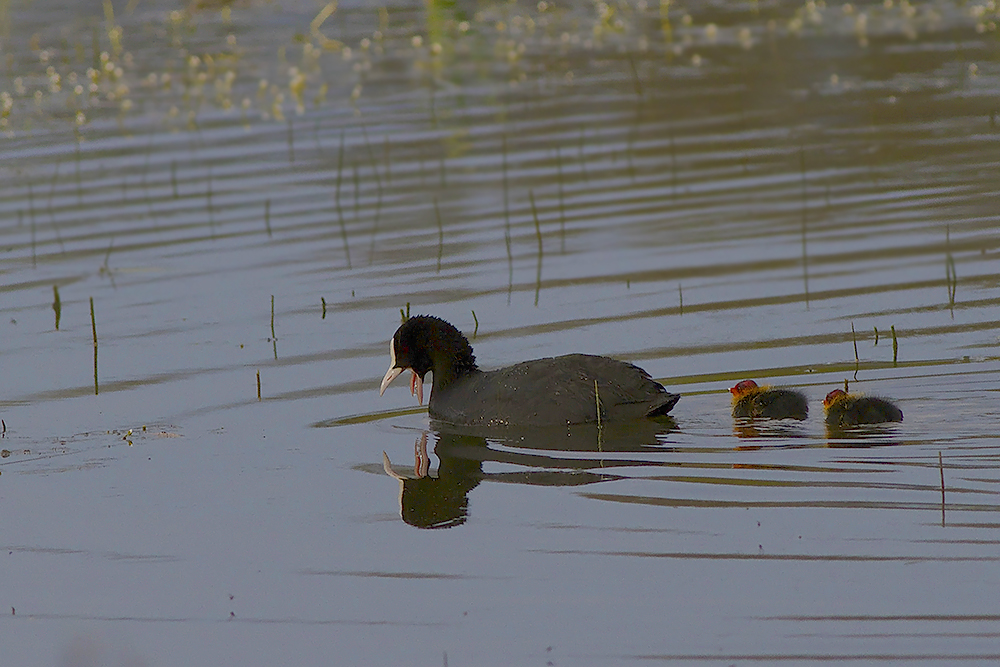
(843, 409)
(554, 391)
(750, 400)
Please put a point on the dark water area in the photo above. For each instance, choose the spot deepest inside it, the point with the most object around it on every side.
(239, 199)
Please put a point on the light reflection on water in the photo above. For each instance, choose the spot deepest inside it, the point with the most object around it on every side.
(719, 205)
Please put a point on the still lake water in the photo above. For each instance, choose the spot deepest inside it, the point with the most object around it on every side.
(714, 193)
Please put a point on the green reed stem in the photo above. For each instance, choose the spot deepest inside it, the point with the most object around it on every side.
(857, 359)
(93, 327)
(57, 305)
(538, 227)
(562, 206)
(895, 344)
(597, 398)
(941, 471)
(440, 226)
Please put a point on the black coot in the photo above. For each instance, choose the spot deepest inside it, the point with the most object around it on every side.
(751, 400)
(543, 392)
(843, 409)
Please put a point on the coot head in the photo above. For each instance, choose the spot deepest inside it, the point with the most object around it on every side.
(424, 343)
(742, 387)
(833, 397)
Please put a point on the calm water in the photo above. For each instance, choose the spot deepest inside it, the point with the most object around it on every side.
(713, 193)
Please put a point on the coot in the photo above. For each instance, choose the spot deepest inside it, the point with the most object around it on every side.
(751, 400)
(570, 389)
(843, 409)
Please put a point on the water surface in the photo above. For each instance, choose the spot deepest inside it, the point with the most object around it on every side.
(713, 193)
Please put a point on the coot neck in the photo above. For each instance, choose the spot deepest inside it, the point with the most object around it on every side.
(449, 366)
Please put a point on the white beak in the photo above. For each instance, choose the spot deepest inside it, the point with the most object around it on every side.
(390, 375)
(416, 384)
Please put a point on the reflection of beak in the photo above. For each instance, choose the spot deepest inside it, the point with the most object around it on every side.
(421, 461)
(390, 375)
(387, 467)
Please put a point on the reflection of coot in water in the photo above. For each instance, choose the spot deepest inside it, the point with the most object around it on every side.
(571, 389)
(843, 409)
(440, 500)
(750, 400)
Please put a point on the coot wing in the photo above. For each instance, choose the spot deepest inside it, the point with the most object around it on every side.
(553, 391)
(781, 404)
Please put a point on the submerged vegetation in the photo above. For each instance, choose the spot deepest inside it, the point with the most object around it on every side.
(181, 66)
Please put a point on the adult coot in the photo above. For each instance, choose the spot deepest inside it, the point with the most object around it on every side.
(751, 400)
(843, 409)
(572, 389)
